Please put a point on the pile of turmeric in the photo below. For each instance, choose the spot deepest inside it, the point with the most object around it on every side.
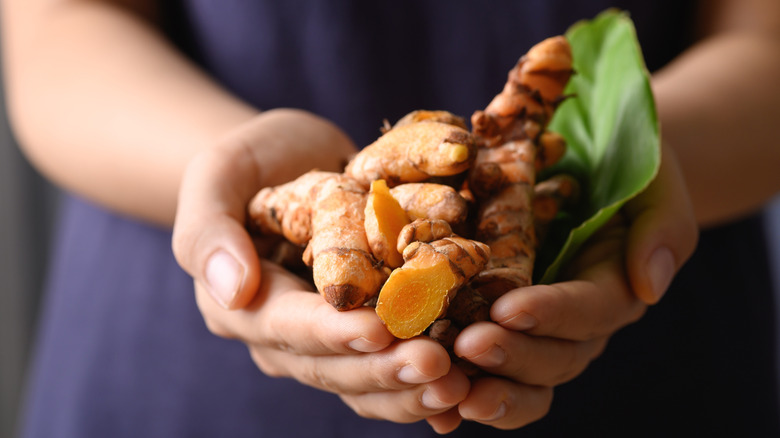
(433, 221)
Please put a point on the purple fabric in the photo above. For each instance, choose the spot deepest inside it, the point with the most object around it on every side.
(123, 351)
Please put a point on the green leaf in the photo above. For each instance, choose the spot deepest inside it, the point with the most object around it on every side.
(611, 127)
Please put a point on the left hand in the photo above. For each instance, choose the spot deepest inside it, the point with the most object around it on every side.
(545, 335)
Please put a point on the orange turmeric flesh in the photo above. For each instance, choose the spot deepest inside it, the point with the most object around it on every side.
(416, 294)
(384, 220)
(420, 291)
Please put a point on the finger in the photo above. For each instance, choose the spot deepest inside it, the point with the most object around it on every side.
(414, 404)
(404, 365)
(663, 232)
(287, 316)
(209, 239)
(504, 404)
(446, 421)
(523, 358)
(595, 305)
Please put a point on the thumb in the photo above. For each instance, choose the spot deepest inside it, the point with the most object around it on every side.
(210, 241)
(663, 231)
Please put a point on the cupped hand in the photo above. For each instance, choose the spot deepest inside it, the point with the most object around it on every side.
(292, 332)
(289, 330)
(544, 335)
(210, 240)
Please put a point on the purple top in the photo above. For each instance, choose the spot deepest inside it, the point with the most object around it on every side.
(123, 350)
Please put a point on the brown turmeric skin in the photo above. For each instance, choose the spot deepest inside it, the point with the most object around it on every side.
(552, 196)
(423, 230)
(510, 132)
(326, 211)
(431, 201)
(430, 116)
(532, 92)
(414, 152)
(286, 209)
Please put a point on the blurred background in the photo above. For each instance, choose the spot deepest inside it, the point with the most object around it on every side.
(27, 205)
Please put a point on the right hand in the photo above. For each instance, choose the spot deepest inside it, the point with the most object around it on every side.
(289, 330)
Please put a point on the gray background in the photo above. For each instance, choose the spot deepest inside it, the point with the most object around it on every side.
(27, 204)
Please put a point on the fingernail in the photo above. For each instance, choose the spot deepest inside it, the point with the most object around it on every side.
(363, 345)
(500, 412)
(520, 321)
(223, 277)
(493, 357)
(410, 374)
(430, 401)
(661, 269)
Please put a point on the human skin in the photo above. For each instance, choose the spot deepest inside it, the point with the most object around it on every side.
(144, 132)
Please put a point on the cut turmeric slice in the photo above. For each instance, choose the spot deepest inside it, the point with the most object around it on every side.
(419, 292)
(384, 220)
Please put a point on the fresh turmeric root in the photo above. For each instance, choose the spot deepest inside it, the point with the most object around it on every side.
(467, 307)
(414, 152)
(286, 209)
(429, 116)
(383, 229)
(551, 148)
(530, 95)
(509, 132)
(419, 292)
(431, 201)
(326, 211)
(423, 230)
(550, 197)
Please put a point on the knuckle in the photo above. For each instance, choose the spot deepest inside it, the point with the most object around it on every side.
(217, 328)
(316, 377)
(543, 408)
(636, 313)
(547, 307)
(525, 413)
(600, 347)
(276, 334)
(184, 244)
(692, 242)
(265, 365)
(359, 408)
(575, 359)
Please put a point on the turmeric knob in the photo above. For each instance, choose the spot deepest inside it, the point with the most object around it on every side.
(459, 153)
(413, 153)
(423, 230)
(419, 292)
(431, 201)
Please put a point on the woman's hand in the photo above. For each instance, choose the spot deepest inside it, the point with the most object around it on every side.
(545, 335)
(291, 331)
(210, 240)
